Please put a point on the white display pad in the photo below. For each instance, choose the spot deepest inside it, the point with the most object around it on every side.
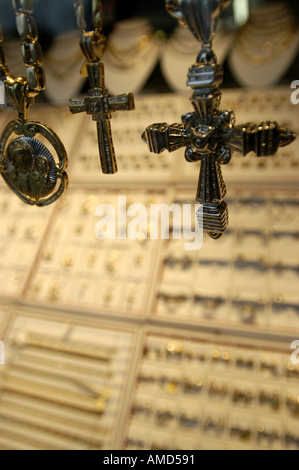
(62, 68)
(208, 395)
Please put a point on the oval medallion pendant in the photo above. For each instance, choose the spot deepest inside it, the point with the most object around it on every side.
(28, 167)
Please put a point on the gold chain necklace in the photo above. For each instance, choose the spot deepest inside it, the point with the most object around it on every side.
(128, 58)
(98, 103)
(26, 164)
(182, 46)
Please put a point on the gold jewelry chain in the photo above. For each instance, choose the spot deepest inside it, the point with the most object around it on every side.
(277, 27)
(272, 50)
(31, 49)
(135, 53)
(70, 61)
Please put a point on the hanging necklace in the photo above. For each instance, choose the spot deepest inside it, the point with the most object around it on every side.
(98, 103)
(26, 164)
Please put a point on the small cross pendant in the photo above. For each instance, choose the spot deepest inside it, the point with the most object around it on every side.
(100, 105)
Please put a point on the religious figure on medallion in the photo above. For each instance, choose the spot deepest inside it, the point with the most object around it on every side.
(30, 167)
